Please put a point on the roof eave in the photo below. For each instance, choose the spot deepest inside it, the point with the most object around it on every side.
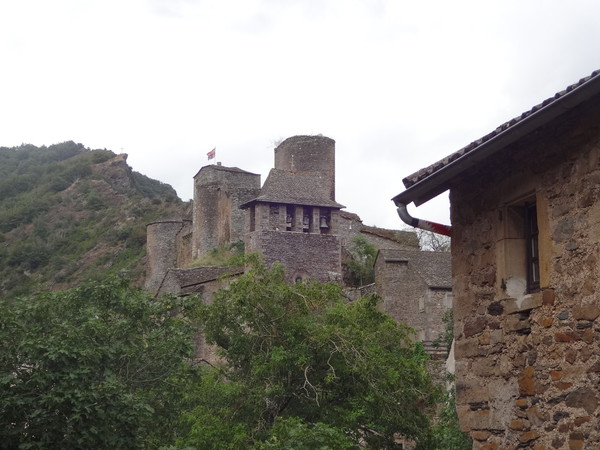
(440, 180)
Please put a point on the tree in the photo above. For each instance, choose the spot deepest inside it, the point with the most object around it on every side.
(361, 268)
(298, 360)
(99, 366)
(433, 242)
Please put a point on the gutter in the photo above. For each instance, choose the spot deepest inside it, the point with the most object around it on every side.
(426, 225)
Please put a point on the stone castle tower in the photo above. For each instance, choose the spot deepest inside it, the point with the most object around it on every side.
(218, 194)
(294, 220)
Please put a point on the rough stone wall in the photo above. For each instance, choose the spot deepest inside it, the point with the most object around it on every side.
(309, 154)
(408, 298)
(161, 247)
(528, 364)
(218, 193)
(354, 294)
(316, 256)
(184, 244)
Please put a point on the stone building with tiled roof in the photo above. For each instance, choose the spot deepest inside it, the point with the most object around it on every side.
(294, 219)
(525, 211)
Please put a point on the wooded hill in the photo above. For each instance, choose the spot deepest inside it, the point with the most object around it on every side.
(70, 214)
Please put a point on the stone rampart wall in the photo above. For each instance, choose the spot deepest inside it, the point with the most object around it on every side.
(218, 193)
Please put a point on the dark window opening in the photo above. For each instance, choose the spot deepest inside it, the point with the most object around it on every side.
(325, 221)
(532, 242)
(289, 218)
(253, 218)
(306, 219)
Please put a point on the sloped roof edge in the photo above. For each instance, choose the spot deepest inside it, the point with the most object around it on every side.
(431, 181)
(294, 187)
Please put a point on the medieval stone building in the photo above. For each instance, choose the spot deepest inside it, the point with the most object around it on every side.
(295, 218)
(416, 288)
(525, 209)
(292, 219)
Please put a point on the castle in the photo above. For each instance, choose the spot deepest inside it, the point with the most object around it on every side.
(293, 219)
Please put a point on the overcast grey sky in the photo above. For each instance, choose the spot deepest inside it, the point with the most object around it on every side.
(398, 84)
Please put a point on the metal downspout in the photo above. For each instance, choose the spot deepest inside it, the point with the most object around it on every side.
(426, 225)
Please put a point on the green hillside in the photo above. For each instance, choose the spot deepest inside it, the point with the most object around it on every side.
(68, 214)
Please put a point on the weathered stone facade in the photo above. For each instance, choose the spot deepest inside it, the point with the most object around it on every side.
(314, 154)
(161, 246)
(350, 226)
(525, 209)
(218, 193)
(528, 364)
(305, 255)
(416, 288)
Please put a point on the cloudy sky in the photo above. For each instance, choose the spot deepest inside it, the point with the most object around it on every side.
(398, 84)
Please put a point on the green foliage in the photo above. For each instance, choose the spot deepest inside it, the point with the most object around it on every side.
(445, 433)
(299, 360)
(151, 188)
(361, 270)
(64, 217)
(293, 433)
(447, 335)
(100, 366)
(94, 201)
(29, 255)
(229, 255)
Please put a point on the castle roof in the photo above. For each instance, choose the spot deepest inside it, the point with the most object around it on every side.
(221, 168)
(295, 188)
(433, 267)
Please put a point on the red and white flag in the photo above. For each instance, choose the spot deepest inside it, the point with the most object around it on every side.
(212, 153)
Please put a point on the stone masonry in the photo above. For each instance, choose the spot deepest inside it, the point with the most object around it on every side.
(416, 288)
(528, 363)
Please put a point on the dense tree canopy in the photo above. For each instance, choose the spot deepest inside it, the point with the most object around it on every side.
(301, 367)
(100, 366)
(301, 359)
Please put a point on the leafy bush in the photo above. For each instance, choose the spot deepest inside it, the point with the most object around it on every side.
(229, 255)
